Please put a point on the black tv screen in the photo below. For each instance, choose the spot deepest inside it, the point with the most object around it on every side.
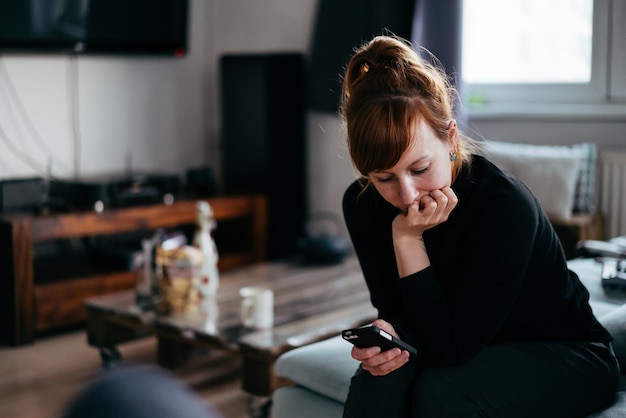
(154, 27)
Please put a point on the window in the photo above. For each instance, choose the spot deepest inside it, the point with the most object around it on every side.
(544, 52)
(511, 49)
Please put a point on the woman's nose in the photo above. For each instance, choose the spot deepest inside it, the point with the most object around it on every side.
(408, 192)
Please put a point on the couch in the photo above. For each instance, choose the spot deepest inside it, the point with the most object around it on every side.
(321, 372)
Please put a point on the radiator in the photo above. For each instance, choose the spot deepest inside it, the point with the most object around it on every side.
(612, 192)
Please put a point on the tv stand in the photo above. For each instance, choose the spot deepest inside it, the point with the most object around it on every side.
(42, 299)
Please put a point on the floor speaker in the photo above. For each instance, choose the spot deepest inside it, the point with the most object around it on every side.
(263, 142)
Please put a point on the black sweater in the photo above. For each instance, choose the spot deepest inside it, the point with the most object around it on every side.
(498, 272)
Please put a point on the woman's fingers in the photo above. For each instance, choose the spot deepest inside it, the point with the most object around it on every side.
(444, 201)
(386, 362)
(377, 362)
(386, 326)
(429, 211)
(428, 205)
(364, 354)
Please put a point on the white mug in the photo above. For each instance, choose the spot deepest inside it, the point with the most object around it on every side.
(257, 307)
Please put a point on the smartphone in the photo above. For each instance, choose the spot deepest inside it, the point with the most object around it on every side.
(370, 336)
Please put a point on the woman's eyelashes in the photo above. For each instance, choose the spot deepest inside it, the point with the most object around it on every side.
(414, 172)
(420, 171)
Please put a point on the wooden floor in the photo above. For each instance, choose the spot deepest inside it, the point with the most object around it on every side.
(36, 381)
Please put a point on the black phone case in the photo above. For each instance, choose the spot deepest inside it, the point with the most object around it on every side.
(371, 336)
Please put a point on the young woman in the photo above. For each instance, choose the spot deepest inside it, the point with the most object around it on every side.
(460, 261)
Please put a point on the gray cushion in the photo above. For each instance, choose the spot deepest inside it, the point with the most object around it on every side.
(602, 308)
(298, 402)
(324, 367)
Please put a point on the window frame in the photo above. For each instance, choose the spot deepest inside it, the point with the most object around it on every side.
(617, 91)
(607, 84)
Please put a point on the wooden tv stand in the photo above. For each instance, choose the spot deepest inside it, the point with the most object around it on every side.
(52, 299)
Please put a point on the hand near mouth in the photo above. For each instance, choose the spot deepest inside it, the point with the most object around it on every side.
(407, 228)
(427, 212)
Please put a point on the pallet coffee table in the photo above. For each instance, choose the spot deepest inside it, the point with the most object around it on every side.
(310, 304)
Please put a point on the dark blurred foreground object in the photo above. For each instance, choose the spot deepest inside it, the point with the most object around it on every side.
(138, 392)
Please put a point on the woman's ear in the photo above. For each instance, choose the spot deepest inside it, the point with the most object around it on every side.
(453, 135)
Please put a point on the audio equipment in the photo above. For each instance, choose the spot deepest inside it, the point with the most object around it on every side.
(21, 195)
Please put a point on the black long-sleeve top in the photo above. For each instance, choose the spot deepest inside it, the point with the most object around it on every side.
(498, 272)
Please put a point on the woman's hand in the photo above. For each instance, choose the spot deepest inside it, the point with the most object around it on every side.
(407, 229)
(428, 212)
(381, 363)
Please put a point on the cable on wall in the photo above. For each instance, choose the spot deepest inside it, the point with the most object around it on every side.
(74, 111)
(40, 168)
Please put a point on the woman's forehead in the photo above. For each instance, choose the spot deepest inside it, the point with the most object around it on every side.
(422, 134)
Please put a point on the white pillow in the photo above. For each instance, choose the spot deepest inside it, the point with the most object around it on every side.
(550, 172)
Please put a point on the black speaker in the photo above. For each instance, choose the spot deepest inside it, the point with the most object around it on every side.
(200, 182)
(263, 142)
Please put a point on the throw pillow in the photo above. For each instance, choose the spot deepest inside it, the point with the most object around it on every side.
(584, 195)
(551, 176)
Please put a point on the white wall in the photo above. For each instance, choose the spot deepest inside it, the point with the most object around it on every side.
(607, 131)
(330, 168)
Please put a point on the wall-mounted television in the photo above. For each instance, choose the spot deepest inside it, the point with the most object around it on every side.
(145, 27)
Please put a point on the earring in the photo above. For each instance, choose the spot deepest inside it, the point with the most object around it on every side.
(452, 155)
